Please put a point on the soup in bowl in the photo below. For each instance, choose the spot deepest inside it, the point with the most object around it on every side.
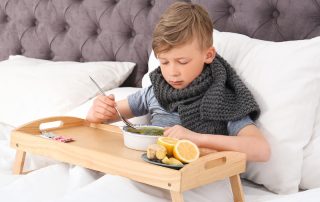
(141, 137)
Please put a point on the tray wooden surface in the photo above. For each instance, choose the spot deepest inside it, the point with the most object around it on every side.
(100, 147)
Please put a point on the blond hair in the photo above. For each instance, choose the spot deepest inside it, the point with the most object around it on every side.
(180, 23)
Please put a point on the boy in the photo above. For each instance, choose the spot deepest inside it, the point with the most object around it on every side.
(195, 94)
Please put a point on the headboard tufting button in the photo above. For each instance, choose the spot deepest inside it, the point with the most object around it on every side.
(18, 52)
(275, 14)
(22, 50)
(66, 27)
(231, 10)
(6, 18)
(133, 33)
(99, 30)
(35, 22)
(151, 3)
(51, 55)
(81, 59)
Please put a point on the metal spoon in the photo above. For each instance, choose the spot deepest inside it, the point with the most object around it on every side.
(128, 123)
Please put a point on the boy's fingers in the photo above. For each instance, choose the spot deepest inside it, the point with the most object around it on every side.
(106, 100)
(206, 151)
(103, 114)
(99, 116)
(101, 103)
(111, 96)
(110, 103)
(104, 108)
(101, 110)
(112, 110)
(166, 131)
(99, 98)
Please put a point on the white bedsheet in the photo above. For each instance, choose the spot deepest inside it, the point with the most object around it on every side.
(61, 182)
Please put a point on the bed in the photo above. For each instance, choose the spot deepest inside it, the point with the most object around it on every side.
(49, 47)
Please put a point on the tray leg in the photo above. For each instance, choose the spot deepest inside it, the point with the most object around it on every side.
(236, 188)
(19, 162)
(176, 196)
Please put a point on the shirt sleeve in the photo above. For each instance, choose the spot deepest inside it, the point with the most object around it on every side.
(138, 102)
(235, 126)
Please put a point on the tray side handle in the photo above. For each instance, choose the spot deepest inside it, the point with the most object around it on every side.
(212, 167)
(66, 121)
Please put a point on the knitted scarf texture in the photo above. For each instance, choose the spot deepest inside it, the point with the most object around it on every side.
(206, 105)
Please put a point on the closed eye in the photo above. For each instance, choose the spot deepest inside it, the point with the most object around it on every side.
(183, 63)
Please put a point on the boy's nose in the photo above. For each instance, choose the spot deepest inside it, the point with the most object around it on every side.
(173, 71)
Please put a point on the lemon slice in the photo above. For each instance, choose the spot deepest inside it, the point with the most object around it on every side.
(186, 151)
(168, 143)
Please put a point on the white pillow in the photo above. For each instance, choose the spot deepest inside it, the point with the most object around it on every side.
(284, 78)
(153, 63)
(311, 159)
(33, 88)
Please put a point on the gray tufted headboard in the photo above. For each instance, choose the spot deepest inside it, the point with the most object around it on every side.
(120, 30)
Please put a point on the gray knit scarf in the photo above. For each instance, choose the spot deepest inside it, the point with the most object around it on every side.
(206, 105)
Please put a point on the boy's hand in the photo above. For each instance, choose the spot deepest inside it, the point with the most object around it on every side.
(103, 109)
(180, 132)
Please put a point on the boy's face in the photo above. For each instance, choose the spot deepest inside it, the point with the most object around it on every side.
(181, 65)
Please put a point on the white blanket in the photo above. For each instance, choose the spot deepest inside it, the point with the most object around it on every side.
(61, 182)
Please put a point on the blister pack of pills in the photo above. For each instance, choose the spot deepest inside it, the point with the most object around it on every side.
(59, 138)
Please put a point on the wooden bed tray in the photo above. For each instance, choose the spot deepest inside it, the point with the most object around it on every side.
(100, 147)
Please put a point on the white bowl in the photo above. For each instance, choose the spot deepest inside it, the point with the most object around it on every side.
(139, 141)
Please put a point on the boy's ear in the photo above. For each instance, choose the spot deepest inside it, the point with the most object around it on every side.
(210, 55)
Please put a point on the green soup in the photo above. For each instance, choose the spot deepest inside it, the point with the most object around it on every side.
(147, 130)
